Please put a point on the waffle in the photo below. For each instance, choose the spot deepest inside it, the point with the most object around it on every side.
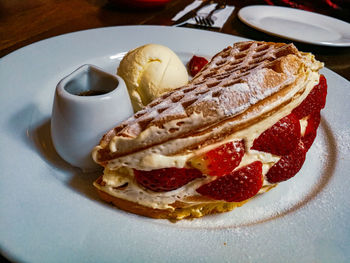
(241, 77)
(240, 93)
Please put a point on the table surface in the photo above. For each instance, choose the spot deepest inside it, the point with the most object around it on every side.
(26, 21)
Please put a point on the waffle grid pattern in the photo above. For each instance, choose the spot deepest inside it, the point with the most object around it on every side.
(229, 84)
(231, 66)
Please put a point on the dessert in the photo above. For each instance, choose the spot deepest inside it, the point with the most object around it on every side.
(243, 124)
(150, 71)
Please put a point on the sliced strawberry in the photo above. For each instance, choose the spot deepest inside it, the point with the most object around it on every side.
(238, 186)
(315, 101)
(196, 64)
(311, 130)
(287, 166)
(281, 139)
(166, 179)
(221, 160)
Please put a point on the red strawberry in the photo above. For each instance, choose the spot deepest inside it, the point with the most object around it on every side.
(196, 64)
(221, 160)
(281, 139)
(315, 101)
(238, 186)
(166, 179)
(287, 166)
(311, 130)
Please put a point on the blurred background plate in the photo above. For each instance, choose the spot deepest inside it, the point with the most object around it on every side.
(298, 25)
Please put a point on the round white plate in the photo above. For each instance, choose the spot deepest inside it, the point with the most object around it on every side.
(297, 25)
(50, 212)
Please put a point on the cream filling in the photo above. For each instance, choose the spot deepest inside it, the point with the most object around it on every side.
(151, 159)
(134, 193)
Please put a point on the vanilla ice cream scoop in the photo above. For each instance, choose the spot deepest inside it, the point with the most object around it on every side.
(150, 71)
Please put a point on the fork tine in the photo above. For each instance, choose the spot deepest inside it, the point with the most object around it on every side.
(206, 22)
(210, 21)
(200, 20)
(203, 21)
(196, 18)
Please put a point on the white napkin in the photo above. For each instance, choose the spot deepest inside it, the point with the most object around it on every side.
(219, 17)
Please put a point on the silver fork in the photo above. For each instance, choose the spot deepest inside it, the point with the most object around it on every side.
(208, 20)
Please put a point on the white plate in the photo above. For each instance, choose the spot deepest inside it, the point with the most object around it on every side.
(49, 211)
(296, 24)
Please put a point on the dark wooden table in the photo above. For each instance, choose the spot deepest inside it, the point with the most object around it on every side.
(23, 22)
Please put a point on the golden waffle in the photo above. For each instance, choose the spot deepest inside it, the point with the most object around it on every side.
(237, 85)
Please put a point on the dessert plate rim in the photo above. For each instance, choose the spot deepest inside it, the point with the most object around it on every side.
(297, 25)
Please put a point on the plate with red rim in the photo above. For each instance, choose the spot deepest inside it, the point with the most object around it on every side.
(50, 212)
(297, 25)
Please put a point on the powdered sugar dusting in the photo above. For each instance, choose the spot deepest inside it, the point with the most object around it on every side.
(216, 91)
(343, 141)
(320, 147)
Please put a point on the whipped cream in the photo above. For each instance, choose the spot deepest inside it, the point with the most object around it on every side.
(134, 193)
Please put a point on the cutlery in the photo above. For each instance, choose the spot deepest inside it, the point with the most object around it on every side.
(208, 21)
(182, 20)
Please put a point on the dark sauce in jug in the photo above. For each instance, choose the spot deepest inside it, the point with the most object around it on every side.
(93, 92)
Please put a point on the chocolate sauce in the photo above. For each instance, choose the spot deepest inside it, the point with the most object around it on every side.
(93, 92)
